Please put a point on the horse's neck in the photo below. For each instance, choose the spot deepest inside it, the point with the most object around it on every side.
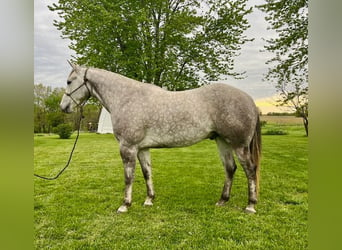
(96, 94)
(107, 86)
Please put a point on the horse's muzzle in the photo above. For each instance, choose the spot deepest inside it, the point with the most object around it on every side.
(66, 108)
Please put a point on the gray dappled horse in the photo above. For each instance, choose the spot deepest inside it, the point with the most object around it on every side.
(145, 116)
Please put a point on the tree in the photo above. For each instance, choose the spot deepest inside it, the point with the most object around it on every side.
(54, 113)
(289, 66)
(41, 92)
(91, 113)
(48, 116)
(177, 44)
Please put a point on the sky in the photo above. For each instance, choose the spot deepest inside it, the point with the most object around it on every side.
(51, 52)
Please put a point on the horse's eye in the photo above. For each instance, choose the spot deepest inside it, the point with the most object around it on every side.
(68, 82)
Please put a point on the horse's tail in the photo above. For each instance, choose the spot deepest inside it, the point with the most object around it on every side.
(255, 149)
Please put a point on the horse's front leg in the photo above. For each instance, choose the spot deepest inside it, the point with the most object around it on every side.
(128, 155)
(145, 162)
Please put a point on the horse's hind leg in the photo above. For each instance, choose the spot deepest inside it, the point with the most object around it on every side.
(249, 167)
(226, 155)
(145, 162)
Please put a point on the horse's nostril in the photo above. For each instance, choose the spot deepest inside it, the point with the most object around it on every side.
(65, 108)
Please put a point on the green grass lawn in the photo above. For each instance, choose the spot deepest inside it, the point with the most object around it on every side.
(78, 210)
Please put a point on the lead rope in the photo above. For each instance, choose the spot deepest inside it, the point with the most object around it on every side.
(71, 153)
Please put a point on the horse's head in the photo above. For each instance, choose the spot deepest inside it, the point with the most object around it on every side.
(77, 91)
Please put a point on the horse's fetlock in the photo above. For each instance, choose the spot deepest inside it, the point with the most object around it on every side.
(252, 201)
(127, 203)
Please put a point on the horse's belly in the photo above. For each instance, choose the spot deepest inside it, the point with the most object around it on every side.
(169, 139)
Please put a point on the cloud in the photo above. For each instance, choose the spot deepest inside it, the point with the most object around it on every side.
(252, 60)
(50, 50)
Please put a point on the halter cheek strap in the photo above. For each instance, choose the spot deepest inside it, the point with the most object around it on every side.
(85, 80)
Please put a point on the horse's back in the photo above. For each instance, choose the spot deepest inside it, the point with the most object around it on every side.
(217, 108)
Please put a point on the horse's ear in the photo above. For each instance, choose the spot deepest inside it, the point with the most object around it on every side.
(70, 63)
(74, 66)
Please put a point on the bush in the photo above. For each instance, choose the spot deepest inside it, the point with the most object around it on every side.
(263, 123)
(275, 132)
(63, 130)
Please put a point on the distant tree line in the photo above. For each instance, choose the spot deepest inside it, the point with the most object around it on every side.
(283, 114)
(47, 113)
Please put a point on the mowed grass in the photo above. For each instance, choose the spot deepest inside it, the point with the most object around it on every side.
(282, 120)
(78, 210)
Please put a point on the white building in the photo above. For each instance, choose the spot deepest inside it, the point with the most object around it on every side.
(105, 123)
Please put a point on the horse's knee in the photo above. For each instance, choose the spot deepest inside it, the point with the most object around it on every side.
(127, 154)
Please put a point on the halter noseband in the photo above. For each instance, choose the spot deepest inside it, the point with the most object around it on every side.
(85, 80)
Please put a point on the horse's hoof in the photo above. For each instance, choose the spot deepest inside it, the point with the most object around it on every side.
(220, 203)
(122, 209)
(148, 203)
(250, 210)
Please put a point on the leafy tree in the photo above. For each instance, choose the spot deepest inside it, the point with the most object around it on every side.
(54, 114)
(177, 44)
(48, 116)
(41, 92)
(91, 113)
(289, 66)
(53, 100)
